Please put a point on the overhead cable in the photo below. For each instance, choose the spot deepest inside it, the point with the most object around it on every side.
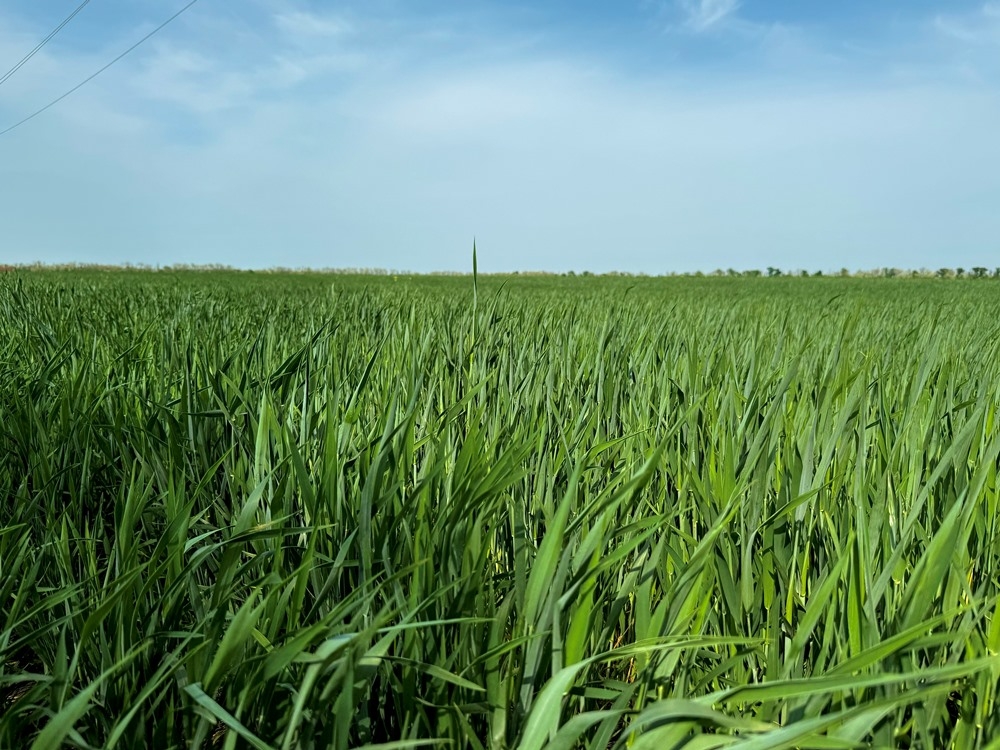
(92, 76)
(20, 63)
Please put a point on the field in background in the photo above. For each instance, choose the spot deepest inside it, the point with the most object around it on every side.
(304, 511)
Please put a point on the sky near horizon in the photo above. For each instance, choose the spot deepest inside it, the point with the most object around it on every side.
(638, 135)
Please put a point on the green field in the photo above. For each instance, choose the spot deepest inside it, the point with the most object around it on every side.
(322, 511)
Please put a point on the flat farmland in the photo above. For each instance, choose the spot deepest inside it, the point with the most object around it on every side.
(325, 511)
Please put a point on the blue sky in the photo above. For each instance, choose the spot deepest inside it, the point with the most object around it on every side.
(637, 135)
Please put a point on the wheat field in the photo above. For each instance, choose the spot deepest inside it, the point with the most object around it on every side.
(322, 511)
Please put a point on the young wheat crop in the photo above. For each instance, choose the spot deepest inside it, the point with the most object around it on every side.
(247, 510)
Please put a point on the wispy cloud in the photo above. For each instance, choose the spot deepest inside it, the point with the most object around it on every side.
(979, 27)
(711, 18)
(967, 44)
(703, 15)
(302, 23)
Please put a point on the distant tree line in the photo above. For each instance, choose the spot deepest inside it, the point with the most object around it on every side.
(976, 272)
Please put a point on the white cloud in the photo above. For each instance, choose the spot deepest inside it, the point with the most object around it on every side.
(480, 102)
(551, 166)
(191, 80)
(552, 161)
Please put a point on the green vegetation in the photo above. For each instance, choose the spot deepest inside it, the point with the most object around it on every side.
(305, 511)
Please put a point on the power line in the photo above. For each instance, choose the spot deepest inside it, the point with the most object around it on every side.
(91, 77)
(20, 63)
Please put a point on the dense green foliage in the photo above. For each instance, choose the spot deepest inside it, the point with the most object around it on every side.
(305, 511)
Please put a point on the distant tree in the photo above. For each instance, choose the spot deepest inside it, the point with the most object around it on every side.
(943, 273)
(732, 272)
(818, 273)
(845, 272)
(753, 272)
(979, 272)
(959, 272)
(772, 271)
(803, 273)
